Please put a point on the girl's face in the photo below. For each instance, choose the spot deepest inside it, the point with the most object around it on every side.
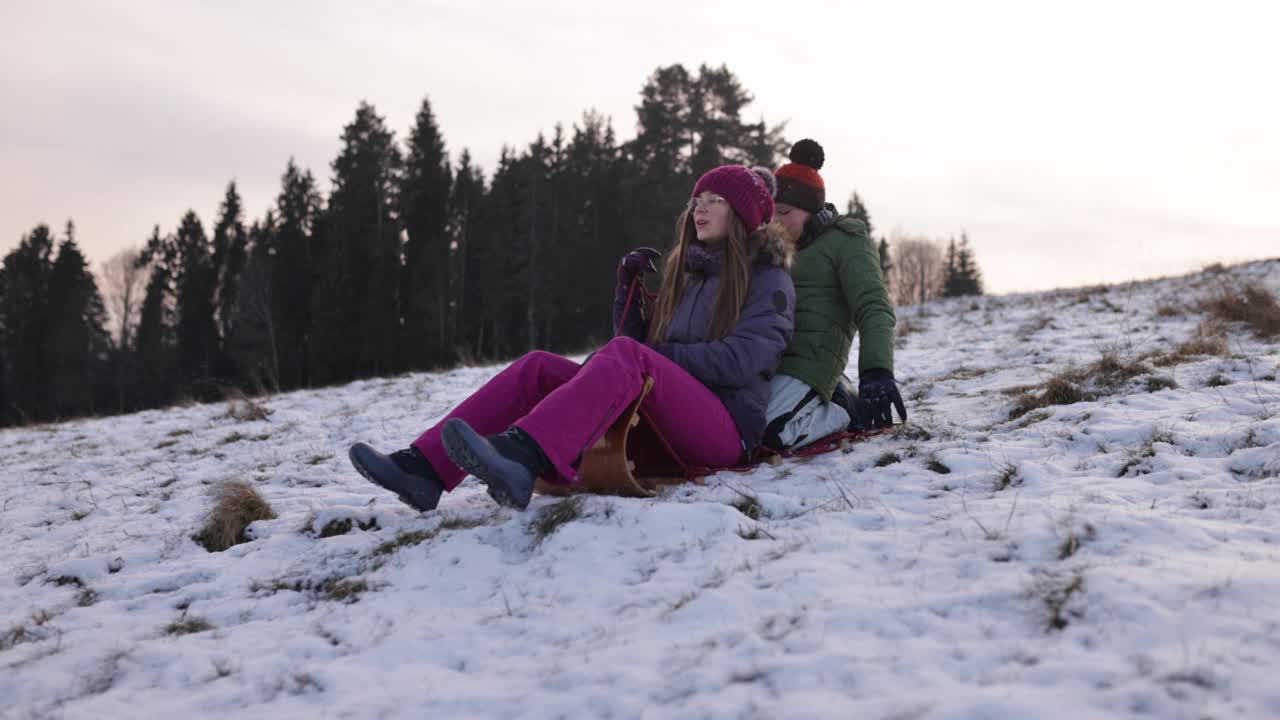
(792, 218)
(711, 216)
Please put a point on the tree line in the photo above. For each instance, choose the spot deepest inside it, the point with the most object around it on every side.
(413, 261)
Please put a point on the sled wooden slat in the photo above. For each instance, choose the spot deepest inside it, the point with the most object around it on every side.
(605, 469)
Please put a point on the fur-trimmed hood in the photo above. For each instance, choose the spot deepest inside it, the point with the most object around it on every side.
(773, 247)
(776, 247)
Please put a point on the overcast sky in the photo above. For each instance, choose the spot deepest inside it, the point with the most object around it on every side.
(1079, 143)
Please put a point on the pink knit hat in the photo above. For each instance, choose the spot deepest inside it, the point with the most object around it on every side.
(748, 190)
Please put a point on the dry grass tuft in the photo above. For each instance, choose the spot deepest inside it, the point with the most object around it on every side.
(241, 407)
(187, 626)
(1058, 595)
(1108, 374)
(553, 516)
(1252, 304)
(1210, 338)
(1008, 477)
(236, 506)
(888, 458)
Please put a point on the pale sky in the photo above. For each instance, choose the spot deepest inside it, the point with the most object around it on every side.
(1075, 142)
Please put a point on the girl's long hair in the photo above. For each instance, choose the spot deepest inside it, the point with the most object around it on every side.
(735, 278)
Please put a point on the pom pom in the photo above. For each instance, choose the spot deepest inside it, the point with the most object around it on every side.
(770, 181)
(808, 152)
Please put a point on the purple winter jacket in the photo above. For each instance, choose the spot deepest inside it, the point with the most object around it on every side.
(737, 367)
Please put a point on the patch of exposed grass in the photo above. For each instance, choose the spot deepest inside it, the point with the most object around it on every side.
(937, 466)
(1074, 539)
(187, 626)
(911, 432)
(342, 526)
(236, 506)
(404, 540)
(455, 522)
(1107, 375)
(1217, 380)
(1155, 383)
(178, 433)
(319, 458)
(165, 443)
(1138, 455)
(1210, 338)
(1007, 477)
(552, 517)
(19, 634)
(1062, 389)
(234, 437)
(343, 590)
(964, 373)
(1058, 596)
(1251, 304)
(244, 409)
(888, 458)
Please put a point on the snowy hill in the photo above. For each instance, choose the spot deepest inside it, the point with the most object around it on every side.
(1113, 555)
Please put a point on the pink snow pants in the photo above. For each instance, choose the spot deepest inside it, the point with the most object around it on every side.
(566, 408)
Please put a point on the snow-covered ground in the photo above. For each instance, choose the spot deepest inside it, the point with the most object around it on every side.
(1114, 557)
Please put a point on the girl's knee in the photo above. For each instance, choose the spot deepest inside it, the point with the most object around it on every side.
(623, 344)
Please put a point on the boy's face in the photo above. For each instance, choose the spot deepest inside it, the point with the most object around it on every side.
(792, 218)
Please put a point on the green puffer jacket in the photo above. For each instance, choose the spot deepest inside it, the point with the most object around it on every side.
(839, 292)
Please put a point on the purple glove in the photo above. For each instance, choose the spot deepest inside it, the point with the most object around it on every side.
(637, 262)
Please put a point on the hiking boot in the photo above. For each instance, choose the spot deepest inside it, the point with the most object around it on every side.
(507, 463)
(407, 473)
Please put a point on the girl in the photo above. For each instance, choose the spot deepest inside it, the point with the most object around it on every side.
(722, 318)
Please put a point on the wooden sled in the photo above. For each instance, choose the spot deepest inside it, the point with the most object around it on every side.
(605, 468)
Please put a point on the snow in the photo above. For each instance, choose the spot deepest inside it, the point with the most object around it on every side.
(866, 588)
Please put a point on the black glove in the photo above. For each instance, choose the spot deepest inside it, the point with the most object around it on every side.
(878, 396)
(636, 262)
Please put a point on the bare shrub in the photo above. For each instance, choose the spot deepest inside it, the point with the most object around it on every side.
(916, 275)
(236, 506)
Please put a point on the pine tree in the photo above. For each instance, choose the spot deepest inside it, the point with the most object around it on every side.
(230, 242)
(886, 261)
(424, 197)
(967, 265)
(155, 346)
(195, 285)
(355, 305)
(25, 278)
(857, 210)
(659, 174)
(962, 276)
(76, 354)
(253, 341)
(473, 256)
(293, 276)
